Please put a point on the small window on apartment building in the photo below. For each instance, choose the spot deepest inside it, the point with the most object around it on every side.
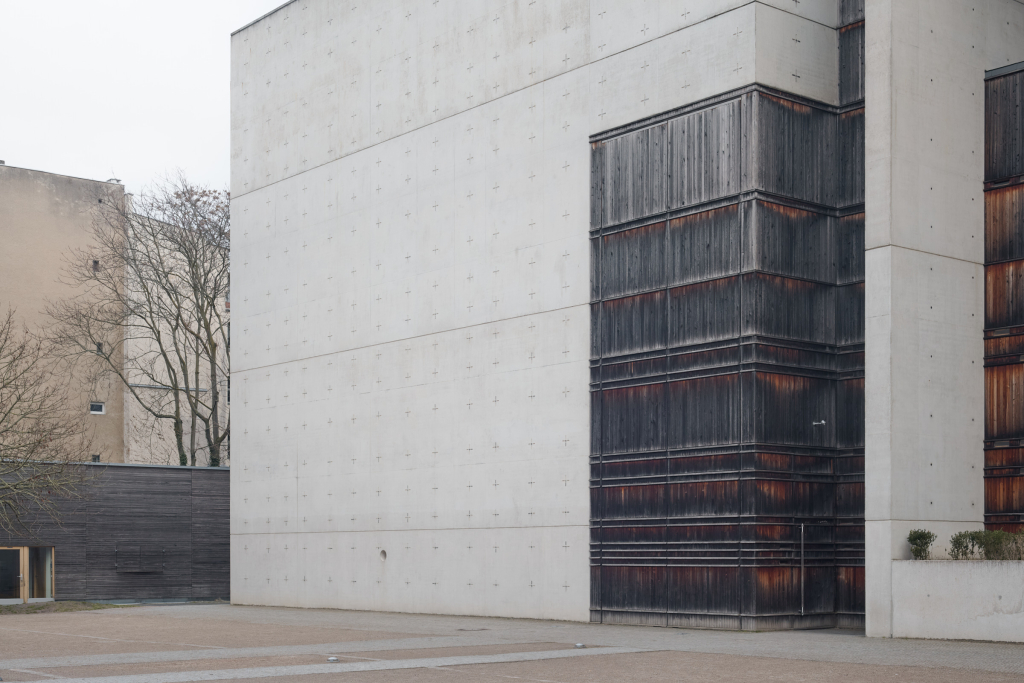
(97, 408)
(95, 458)
(95, 266)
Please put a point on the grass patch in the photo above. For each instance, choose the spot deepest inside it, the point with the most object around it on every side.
(51, 607)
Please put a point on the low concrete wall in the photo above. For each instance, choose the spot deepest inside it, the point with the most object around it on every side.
(962, 600)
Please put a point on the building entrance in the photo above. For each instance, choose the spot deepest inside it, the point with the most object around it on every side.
(26, 575)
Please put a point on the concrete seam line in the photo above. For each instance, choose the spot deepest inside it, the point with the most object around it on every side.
(310, 669)
(269, 651)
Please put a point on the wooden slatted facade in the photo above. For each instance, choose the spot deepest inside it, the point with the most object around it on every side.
(727, 371)
(142, 533)
(1004, 300)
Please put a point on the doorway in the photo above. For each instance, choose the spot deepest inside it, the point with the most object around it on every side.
(26, 575)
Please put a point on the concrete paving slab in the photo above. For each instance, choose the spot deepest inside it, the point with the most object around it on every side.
(179, 644)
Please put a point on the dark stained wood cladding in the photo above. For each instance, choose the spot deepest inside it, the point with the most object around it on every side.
(211, 534)
(1004, 302)
(727, 368)
(142, 533)
(1004, 127)
(850, 12)
(851, 62)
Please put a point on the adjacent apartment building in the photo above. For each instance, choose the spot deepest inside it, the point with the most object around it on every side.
(659, 313)
(43, 216)
(46, 219)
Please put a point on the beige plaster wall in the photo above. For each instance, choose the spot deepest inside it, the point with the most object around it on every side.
(42, 216)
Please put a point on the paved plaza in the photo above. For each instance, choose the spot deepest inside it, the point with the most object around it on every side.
(196, 642)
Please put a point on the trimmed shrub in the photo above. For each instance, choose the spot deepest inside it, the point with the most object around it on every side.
(920, 543)
(987, 545)
(962, 547)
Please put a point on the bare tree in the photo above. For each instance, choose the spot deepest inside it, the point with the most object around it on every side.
(42, 440)
(152, 309)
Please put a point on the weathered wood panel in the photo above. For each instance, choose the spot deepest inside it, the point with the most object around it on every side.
(1004, 223)
(851, 163)
(709, 159)
(634, 324)
(632, 261)
(705, 245)
(140, 507)
(636, 176)
(792, 242)
(632, 419)
(850, 11)
(851, 63)
(1004, 127)
(796, 146)
(793, 410)
(704, 312)
(727, 370)
(1004, 301)
(788, 308)
(850, 314)
(705, 412)
(850, 249)
(142, 533)
(211, 534)
(1004, 294)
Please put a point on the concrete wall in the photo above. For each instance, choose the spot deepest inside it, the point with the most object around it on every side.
(411, 281)
(958, 600)
(925, 64)
(42, 217)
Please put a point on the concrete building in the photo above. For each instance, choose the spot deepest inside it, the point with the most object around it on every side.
(649, 312)
(42, 217)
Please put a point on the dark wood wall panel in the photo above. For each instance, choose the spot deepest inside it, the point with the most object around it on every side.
(709, 159)
(1004, 294)
(1004, 223)
(792, 410)
(634, 324)
(850, 11)
(211, 534)
(851, 62)
(793, 242)
(632, 419)
(705, 412)
(789, 309)
(1004, 301)
(727, 368)
(851, 163)
(1004, 127)
(149, 509)
(850, 249)
(142, 533)
(704, 312)
(705, 245)
(796, 148)
(633, 261)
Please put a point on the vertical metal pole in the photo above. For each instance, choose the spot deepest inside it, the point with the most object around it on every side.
(801, 570)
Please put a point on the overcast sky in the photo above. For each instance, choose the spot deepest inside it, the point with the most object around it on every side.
(119, 89)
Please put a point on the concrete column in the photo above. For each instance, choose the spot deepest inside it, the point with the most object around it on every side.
(925, 65)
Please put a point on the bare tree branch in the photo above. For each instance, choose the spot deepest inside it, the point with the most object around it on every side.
(43, 441)
(152, 308)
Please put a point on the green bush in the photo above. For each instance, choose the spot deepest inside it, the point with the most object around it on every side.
(987, 545)
(920, 542)
(962, 546)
